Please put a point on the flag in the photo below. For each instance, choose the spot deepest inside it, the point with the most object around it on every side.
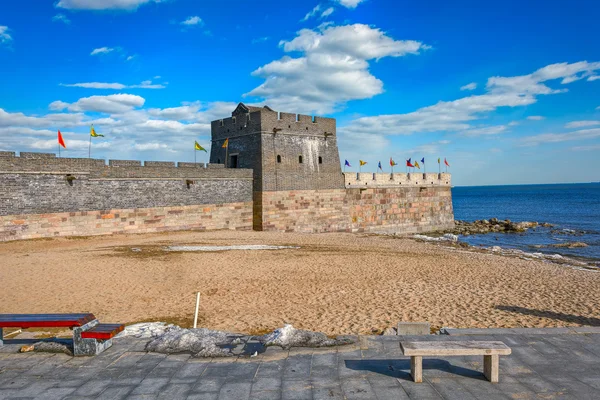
(392, 162)
(409, 164)
(417, 164)
(379, 166)
(423, 160)
(93, 132)
(347, 164)
(446, 162)
(362, 162)
(198, 147)
(438, 160)
(225, 143)
(61, 141)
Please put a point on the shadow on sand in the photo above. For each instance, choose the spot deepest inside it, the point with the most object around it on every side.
(577, 319)
(401, 368)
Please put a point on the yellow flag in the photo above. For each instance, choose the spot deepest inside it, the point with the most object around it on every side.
(362, 162)
(198, 147)
(417, 164)
(93, 132)
(226, 143)
(438, 160)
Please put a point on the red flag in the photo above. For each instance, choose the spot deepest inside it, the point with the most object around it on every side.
(61, 141)
(409, 164)
(446, 162)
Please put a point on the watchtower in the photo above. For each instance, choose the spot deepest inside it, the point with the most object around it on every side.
(286, 151)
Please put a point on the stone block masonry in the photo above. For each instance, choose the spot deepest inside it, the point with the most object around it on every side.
(47, 196)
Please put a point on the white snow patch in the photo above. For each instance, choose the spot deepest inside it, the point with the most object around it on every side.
(145, 330)
(222, 248)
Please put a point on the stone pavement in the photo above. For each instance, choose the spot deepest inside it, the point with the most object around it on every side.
(543, 365)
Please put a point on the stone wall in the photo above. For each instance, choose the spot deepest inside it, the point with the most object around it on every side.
(400, 209)
(49, 196)
(368, 179)
(391, 210)
(308, 211)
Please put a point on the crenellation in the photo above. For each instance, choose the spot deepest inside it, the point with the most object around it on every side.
(27, 154)
(369, 179)
(189, 165)
(124, 163)
(168, 164)
(7, 154)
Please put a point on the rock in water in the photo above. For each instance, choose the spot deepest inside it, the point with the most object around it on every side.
(288, 337)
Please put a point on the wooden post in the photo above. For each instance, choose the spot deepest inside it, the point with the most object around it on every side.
(491, 367)
(416, 368)
(196, 313)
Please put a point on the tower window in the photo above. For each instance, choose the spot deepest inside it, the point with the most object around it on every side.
(300, 159)
(307, 128)
(233, 119)
(320, 160)
(218, 161)
(278, 159)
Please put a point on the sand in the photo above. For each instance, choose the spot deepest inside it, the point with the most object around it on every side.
(334, 283)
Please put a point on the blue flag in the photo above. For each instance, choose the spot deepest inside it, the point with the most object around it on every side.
(347, 163)
(423, 160)
(380, 166)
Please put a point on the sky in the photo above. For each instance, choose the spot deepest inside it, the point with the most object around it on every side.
(508, 92)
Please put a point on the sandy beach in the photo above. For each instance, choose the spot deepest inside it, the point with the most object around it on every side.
(334, 283)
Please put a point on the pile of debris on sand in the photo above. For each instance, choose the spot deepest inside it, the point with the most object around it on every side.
(494, 225)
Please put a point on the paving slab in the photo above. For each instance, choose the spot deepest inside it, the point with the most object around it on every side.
(557, 363)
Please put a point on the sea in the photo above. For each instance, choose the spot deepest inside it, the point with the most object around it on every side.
(573, 209)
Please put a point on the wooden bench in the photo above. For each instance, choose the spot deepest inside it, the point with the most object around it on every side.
(90, 337)
(491, 351)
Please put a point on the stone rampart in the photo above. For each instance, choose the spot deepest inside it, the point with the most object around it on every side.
(369, 179)
(43, 196)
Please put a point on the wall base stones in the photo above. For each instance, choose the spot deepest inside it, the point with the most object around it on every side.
(236, 216)
(401, 209)
(388, 209)
(308, 211)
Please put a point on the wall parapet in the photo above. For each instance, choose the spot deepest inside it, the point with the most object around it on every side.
(369, 179)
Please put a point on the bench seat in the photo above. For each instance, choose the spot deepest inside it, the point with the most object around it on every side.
(102, 331)
(25, 321)
(489, 350)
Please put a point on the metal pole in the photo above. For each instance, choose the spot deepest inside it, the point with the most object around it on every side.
(196, 313)
(90, 147)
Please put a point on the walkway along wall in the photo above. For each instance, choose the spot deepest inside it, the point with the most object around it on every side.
(45, 196)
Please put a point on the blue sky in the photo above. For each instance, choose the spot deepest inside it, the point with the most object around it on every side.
(508, 92)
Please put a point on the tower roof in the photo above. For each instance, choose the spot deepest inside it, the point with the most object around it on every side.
(243, 109)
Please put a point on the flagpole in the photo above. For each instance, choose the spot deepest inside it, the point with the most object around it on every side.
(90, 147)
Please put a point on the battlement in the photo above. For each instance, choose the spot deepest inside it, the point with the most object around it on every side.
(368, 179)
(29, 162)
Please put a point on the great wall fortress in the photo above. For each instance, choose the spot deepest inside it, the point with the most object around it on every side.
(282, 173)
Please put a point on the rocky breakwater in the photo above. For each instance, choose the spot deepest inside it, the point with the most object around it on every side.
(494, 225)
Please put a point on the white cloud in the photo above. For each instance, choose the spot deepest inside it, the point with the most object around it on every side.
(593, 78)
(61, 18)
(101, 50)
(581, 134)
(487, 130)
(312, 13)
(115, 86)
(193, 21)
(581, 124)
(536, 118)
(332, 70)
(457, 115)
(129, 58)
(112, 104)
(470, 86)
(327, 12)
(595, 147)
(103, 4)
(260, 40)
(4, 35)
(350, 3)
(150, 146)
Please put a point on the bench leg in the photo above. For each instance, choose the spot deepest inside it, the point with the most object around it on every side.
(416, 368)
(491, 367)
(88, 347)
(1, 340)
